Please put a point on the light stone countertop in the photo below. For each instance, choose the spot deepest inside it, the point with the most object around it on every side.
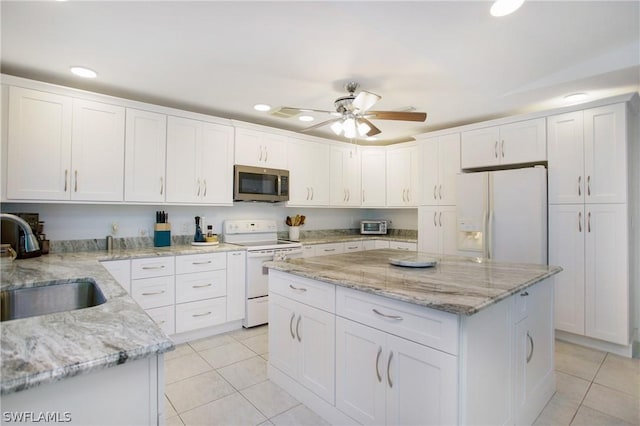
(458, 285)
(53, 347)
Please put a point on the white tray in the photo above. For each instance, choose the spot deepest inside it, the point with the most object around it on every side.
(214, 243)
(414, 261)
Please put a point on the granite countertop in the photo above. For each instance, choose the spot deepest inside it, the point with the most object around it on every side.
(459, 285)
(53, 347)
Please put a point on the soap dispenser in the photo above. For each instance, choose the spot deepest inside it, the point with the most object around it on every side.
(199, 236)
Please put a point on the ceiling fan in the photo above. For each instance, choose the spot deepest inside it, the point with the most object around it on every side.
(353, 114)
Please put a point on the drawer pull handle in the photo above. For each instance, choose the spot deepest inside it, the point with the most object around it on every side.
(329, 249)
(205, 262)
(201, 315)
(202, 286)
(526, 293)
(393, 317)
(378, 362)
(298, 328)
(302, 289)
(293, 315)
(155, 293)
(153, 267)
(237, 253)
(352, 247)
(389, 369)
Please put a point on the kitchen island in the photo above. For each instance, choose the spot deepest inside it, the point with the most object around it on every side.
(361, 341)
(97, 365)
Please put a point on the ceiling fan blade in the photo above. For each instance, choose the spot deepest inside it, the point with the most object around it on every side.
(324, 123)
(374, 130)
(364, 101)
(397, 115)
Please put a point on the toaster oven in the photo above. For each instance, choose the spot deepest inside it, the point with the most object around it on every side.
(373, 227)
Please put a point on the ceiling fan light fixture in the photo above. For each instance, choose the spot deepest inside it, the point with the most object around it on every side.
(306, 118)
(83, 72)
(337, 128)
(575, 97)
(505, 7)
(349, 127)
(363, 129)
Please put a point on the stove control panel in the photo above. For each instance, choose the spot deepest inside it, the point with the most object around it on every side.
(249, 226)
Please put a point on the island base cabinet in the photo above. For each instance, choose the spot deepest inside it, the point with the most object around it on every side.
(127, 394)
(301, 344)
(385, 379)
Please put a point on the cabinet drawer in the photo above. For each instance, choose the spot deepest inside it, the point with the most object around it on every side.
(328, 249)
(399, 245)
(429, 327)
(153, 292)
(164, 317)
(201, 285)
(204, 313)
(154, 267)
(353, 246)
(312, 293)
(308, 251)
(200, 262)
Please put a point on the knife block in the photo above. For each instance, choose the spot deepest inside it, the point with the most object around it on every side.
(162, 235)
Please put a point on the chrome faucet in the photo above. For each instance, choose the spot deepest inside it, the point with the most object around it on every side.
(31, 244)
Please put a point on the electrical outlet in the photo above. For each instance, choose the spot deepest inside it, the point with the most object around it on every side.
(114, 228)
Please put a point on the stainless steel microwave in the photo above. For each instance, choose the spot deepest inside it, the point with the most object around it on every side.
(260, 184)
(376, 227)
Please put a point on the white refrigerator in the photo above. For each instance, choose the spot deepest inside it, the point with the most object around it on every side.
(502, 215)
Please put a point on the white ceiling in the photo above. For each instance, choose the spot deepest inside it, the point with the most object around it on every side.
(450, 59)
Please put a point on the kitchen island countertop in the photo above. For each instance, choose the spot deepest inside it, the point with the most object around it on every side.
(459, 285)
(49, 348)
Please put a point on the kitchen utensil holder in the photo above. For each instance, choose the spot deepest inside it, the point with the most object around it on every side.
(294, 233)
(162, 235)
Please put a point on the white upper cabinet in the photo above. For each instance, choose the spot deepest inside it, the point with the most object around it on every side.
(39, 140)
(514, 143)
(440, 163)
(260, 149)
(402, 176)
(97, 153)
(374, 179)
(437, 229)
(62, 148)
(588, 156)
(345, 175)
(145, 155)
(199, 162)
(308, 173)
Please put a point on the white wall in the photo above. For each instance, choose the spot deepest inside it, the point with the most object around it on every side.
(78, 221)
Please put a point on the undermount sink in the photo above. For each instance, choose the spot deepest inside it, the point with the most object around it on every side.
(49, 298)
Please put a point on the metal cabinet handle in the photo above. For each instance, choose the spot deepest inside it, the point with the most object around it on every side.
(204, 262)
(393, 317)
(434, 192)
(389, 369)
(408, 195)
(205, 188)
(161, 185)
(66, 179)
(524, 294)
(302, 289)
(237, 253)
(266, 153)
(198, 188)
(201, 315)
(579, 221)
(435, 215)
(502, 149)
(530, 353)
(307, 193)
(495, 149)
(293, 315)
(363, 200)
(589, 185)
(377, 364)
(202, 286)
(75, 188)
(404, 197)
(298, 328)
(579, 185)
(329, 249)
(348, 195)
(155, 293)
(440, 191)
(440, 219)
(153, 267)
(589, 222)
(312, 193)
(352, 247)
(261, 148)
(344, 198)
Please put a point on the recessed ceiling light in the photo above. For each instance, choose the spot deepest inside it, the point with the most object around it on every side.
(371, 138)
(262, 107)
(83, 72)
(505, 7)
(306, 118)
(575, 97)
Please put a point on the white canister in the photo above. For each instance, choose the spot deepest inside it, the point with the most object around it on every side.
(294, 233)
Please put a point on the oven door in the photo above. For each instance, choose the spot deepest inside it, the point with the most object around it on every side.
(257, 274)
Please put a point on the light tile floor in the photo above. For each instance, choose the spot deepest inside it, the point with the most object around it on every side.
(222, 380)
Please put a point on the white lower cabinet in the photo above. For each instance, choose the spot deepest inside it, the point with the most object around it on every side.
(200, 314)
(301, 344)
(164, 317)
(385, 379)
